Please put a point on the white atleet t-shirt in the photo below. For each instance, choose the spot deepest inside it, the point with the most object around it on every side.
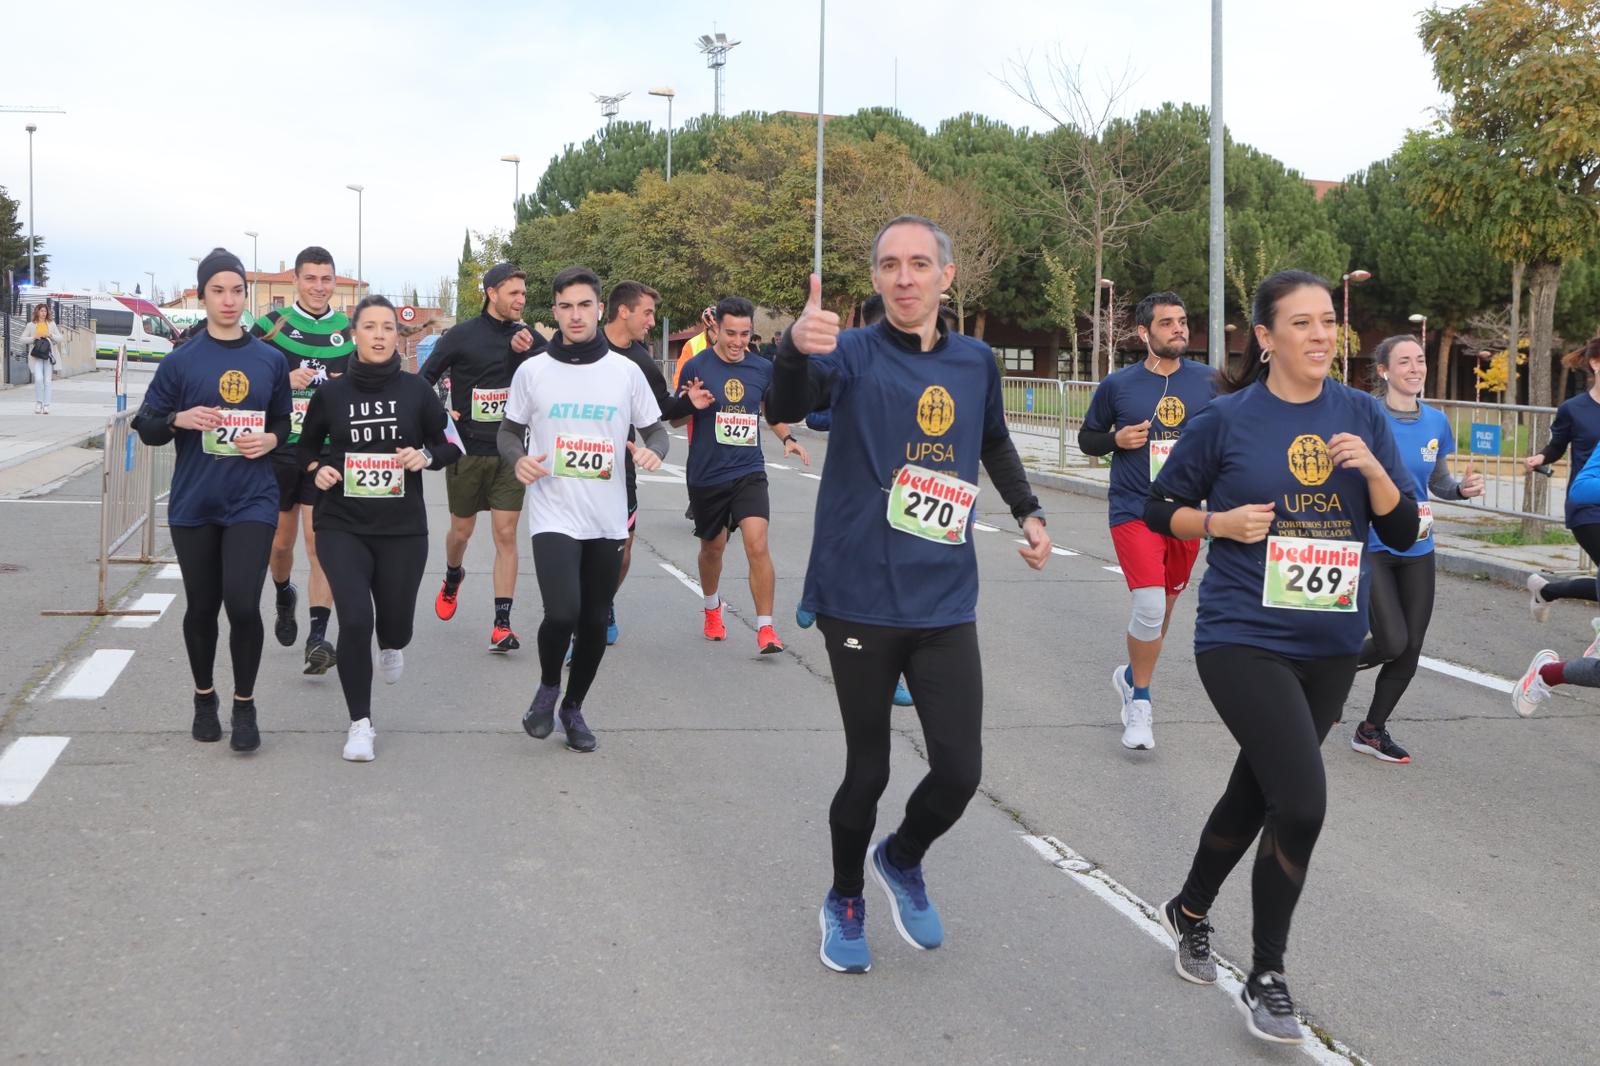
(578, 418)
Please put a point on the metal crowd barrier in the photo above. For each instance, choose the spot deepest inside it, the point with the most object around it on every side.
(134, 479)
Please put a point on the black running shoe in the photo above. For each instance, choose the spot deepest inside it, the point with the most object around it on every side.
(579, 737)
(207, 727)
(320, 657)
(286, 629)
(246, 737)
(540, 717)
(1377, 743)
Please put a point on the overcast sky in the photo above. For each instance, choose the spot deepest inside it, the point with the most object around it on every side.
(188, 124)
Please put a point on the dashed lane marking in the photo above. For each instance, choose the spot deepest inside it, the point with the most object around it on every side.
(96, 675)
(170, 572)
(982, 527)
(24, 765)
(1466, 673)
(1121, 899)
(1053, 549)
(150, 601)
(688, 582)
(1113, 569)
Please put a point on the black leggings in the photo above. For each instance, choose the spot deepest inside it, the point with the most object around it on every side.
(1279, 710)
(374, 581)
(577, 580)
(945, 675)
(1579, 588)
(223, 567)
(1400, 606)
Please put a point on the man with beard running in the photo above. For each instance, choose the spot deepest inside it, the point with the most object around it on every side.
(315, 339)
(1136, 416)
(479, 356)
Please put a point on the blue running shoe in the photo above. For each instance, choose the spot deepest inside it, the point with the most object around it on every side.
(803, 618)
(844, 934)
(902, 695)
(914, 916)
(612, 632)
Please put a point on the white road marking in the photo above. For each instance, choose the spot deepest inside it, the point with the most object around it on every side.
(1466, 673)
(778, 466)
(672, 468)
(1053, 549)
(24, 765)
(96, 675)
(813, 477)
(1113, 569)
(86, 503)
(150, 601)
(170, 572)
(1121, 899)
(688, 582)
(661, 479)
(984, 528)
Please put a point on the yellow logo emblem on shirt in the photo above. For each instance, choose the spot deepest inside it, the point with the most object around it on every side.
(936, 411)
(234, 386)
(1309, 460)
(733, 390)
(1169, 411)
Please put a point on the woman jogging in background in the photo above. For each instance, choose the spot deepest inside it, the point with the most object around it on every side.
(1295, 471)
(384, 427)
(1577, 423)
(1400, 602)
(45, 345)
(224, 398)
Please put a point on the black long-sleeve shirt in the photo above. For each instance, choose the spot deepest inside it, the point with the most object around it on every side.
(371, 418)
(477, 355)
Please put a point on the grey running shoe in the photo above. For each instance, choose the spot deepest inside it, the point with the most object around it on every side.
(1538, 606)
(1268, 1010)
(540, 717)
(1192, 939)
(579, 736)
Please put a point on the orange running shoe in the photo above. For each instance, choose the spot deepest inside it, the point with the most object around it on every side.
(715, 630)
(767, 640)
(503, 640)
(444, 604)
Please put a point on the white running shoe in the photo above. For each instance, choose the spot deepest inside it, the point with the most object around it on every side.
(1593, 650)
(391, 664)
(1120, 682)
(1137, 720)
(358, 746)
(1531, 690)
(1538, 606)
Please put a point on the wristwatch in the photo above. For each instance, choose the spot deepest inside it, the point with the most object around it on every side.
(427, 456)
(172, 421)
(789, 439)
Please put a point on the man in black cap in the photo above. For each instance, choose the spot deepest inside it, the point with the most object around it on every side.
(480, 356)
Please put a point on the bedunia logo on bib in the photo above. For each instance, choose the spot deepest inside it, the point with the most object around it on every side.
(1309, 460)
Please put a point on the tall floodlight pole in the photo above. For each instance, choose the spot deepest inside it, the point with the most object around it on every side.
(358, 190)
(716, 48)
(609, 105)
(255, 265)
(1216, 337)
(822, 48)
(32, 280)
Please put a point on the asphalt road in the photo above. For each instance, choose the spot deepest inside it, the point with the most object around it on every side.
(474, 895)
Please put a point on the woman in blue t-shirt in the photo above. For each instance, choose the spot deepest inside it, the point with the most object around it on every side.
(1401, 596)
(1578, 423)
(1294, 471)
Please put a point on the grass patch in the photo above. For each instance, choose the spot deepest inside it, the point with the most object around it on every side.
(1511, 536)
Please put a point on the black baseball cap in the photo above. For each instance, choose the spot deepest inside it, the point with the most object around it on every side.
(500, 273)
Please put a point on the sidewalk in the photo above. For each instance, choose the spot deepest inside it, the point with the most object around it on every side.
(1456, 551)
(37, 450)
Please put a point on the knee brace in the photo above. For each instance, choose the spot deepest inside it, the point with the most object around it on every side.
(1149, 612)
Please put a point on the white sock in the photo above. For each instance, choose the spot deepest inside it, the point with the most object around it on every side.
(763, 620)
(713, 602)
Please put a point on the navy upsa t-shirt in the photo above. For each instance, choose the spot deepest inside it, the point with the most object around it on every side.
(1578, 421)
(1132, 395)
(247, 375)
(740, 389)
(1252, 447)
(891, 407)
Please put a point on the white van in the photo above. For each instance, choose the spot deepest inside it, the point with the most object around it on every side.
(131, 321)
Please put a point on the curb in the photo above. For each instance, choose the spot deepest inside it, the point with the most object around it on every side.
(76, 441)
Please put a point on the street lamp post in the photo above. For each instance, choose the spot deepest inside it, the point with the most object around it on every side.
(1111, 323)
(358, 190)
(666, 93)
(31, 279)
(255, 266)
(516, 182)
(1355, 277)
(151, 274)
(822, 48)
(1421, 320)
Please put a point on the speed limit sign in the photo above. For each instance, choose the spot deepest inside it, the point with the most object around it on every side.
(408, 314)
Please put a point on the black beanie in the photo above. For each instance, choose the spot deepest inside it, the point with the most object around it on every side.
(219, 261)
